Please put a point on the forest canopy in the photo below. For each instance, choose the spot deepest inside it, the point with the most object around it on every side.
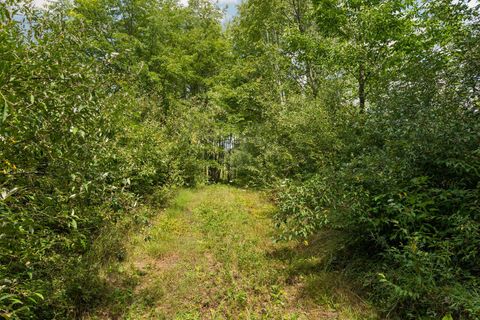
(359, 116)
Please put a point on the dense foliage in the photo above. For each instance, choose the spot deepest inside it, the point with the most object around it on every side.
(103, 103)
(366, 120)
(361, 115)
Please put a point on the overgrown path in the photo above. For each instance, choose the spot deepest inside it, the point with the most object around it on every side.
(210, 255)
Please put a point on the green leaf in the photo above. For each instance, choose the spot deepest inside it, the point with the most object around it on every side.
(6, 296)
(39, 295)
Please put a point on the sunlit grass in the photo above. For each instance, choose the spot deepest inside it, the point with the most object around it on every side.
(211, 255)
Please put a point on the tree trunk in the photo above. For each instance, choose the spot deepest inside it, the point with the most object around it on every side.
(361, 86)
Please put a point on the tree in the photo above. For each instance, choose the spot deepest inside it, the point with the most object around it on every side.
(366, 30)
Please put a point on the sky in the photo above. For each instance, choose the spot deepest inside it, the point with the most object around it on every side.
(230, 5)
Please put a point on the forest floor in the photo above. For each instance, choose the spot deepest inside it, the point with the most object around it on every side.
(211, 255)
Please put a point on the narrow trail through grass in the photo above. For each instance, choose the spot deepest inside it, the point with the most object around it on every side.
(211, 255)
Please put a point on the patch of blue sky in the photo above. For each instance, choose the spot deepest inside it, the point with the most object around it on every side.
(230, 7)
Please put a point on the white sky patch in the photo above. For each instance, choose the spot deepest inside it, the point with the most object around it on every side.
(40, 3)
(229, 6)
(473, 3)
(221, 3)
(470, 3)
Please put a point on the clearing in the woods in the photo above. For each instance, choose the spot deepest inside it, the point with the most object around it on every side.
(211, 255)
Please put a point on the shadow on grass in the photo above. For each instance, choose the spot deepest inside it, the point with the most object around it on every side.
(322, 270)
(99, 287)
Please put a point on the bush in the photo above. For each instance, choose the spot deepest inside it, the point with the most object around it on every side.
(86, 136)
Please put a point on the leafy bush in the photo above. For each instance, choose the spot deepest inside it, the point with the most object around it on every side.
(425, 228)
(86, 137)
(374, 132)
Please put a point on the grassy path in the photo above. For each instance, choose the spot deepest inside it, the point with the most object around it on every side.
(210, 255)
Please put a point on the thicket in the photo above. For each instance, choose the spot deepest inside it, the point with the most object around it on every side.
(361, 115)
(104, 108)
(364, 116)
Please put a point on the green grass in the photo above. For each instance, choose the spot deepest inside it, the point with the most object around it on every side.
(210, 255)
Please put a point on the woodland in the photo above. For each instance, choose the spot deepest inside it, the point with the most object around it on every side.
(354, 123)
